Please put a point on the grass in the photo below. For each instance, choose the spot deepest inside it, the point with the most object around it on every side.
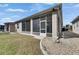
(16, 44)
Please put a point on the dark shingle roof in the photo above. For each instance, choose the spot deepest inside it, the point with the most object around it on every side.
(9, 23)
(75, 20)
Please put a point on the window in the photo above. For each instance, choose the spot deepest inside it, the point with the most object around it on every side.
(74, 27)
(77, 24)
(1, 27)
(17, 25)
(7, 27)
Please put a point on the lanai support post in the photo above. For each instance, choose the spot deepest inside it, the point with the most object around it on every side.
(57, 24)
(31, 26)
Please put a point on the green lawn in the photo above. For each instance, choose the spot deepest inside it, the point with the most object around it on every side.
(16, 44)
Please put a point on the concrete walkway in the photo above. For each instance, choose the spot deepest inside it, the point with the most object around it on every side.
(69, 45)
(66, 47)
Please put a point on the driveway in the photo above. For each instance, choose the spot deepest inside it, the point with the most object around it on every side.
(68, 34)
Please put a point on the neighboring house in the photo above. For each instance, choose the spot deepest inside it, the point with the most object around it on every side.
(10, 27)
(67, 27)
(75, 25)
(2, 28)
(45, 23)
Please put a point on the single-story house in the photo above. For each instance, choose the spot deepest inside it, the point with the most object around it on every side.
(10, 27)
(1, 27)
(75, 25)
(45, 23)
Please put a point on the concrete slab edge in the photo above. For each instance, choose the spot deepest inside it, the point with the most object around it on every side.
(42, 49)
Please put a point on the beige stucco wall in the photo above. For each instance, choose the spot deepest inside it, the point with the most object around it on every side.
(76, 29)
(57, 23)
(19, 30)
(5, 29)
(54, 25)
(11, 27)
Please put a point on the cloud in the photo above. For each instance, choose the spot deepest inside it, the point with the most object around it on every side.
(3, 5)
(3, 20)
(37, 7)
(14, 16)
(16, 10)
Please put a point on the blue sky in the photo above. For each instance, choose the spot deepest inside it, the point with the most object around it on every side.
(70, 11)
(13, 12)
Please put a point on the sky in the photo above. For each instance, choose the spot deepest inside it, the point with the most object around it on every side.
(15, 11)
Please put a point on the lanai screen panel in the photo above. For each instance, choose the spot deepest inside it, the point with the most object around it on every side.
(1, 27)
(49, 25)
(23, 25)
(27, 26)
(36, 26)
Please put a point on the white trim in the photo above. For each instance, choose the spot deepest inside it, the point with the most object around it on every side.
(43, 34)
